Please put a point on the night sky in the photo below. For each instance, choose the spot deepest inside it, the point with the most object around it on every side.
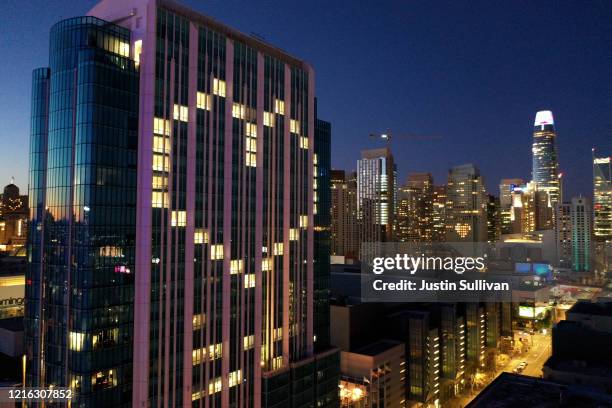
(473, 74)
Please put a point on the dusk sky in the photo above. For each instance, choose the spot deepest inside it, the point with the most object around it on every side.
(473, 73)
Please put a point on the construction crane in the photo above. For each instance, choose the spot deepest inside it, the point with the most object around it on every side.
(389, 135)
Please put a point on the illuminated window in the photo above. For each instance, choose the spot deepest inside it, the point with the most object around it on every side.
(159, 199)
(236, 266)
(161, 162)
(248, 342)
(203, 101)
(104, 379)
(250, 129)
(303, 142)
(235, 377)
(161, 126)
(219, 87)
(198, 321)
(77, 341)
(315, 197)
(238, 110)
(179, 218)
(277, 362)
(277, 334)
(200, 236)
(315, 209)
(294, 234)
(315, 159)
(216, 252)
(137, 51)
(215, 386)
(278, 248)
(251, 145)
(268, 119)
(315, 184)
(181, 113)
(110, 252)
(124, 49)
(159, 182)
(249, 280)
(197, 356)
(215, 351)
(294, 126)
(161, 144)
(266, 264)
(250, 160)
(303, 221)
(279, 106)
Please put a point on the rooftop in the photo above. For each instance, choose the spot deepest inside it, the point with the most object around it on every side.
(377, 347)
(514, 390)
(593, 308)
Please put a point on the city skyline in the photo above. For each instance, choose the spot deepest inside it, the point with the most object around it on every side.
(305, 204)
(482, 121)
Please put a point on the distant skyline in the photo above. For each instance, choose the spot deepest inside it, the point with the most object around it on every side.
(474, 74)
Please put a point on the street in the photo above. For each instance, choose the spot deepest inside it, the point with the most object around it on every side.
(539, 349)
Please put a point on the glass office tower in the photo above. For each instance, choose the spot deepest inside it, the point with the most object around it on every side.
(84, 142)
(376, 194)
(545, 171)
(177, 263)
(602, 198)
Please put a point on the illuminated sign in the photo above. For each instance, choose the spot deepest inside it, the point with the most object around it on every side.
(531, 312)
(544, 118)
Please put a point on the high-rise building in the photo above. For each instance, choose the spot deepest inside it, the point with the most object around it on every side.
(602, 213)
(13, 218)
(452, 350)
(376, 194)
(466, 212)
(602, 198)
(327, 363)
(493, 219)
(414, 209)
(174, 185)
(344, 227)
(531, 210)
(545, 172)
(422, 339)
(581, 234)
(439, 213)
(563, 235)
(506, 188)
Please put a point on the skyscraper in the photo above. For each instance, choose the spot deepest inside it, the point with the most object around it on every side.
(531, 210)
(493, 218)
(545, 172)
(13, 218)
(439, 213)
(506, 188)
(376, 194)
(563, 235)
(344, 227)
(175, 183)
(602, 198)
(466, 217)
(414, 209)
(581, 234)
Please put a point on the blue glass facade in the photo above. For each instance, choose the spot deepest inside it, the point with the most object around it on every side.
(83, 167)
